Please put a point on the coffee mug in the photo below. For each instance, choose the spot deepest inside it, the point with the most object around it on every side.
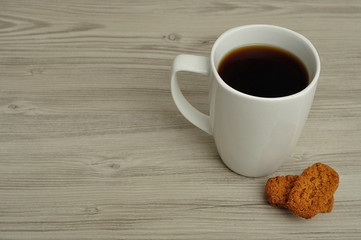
(253, 135)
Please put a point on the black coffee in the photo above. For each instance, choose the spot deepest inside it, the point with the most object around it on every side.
(263, 71)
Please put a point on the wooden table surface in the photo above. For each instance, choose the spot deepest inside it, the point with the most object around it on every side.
(92, 145)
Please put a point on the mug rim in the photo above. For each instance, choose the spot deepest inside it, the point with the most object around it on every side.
(311, 85)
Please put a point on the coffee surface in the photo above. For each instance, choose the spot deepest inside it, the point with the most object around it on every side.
(263, 71)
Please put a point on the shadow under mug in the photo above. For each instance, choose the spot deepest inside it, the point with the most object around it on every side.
(253, 135)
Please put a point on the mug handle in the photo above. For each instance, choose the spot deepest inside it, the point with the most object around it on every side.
(190, 63)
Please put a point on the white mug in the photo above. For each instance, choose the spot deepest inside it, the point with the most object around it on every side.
(253, 135)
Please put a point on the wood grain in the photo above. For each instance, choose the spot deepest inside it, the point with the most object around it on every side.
(93, 147)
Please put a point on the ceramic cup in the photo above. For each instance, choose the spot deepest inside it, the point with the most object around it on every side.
(253, 135)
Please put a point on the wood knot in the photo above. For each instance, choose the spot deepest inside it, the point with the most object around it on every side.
(173, 37)
(206, 42)
(92, 210)
(13, 106)
(115, 165)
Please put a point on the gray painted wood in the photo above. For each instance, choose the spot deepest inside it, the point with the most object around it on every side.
(93, 147)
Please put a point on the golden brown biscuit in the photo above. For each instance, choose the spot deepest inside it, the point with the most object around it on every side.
(278, 189)
(313, 191)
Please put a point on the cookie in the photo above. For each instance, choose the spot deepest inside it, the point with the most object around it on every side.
(313, 191)
(278, 188)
